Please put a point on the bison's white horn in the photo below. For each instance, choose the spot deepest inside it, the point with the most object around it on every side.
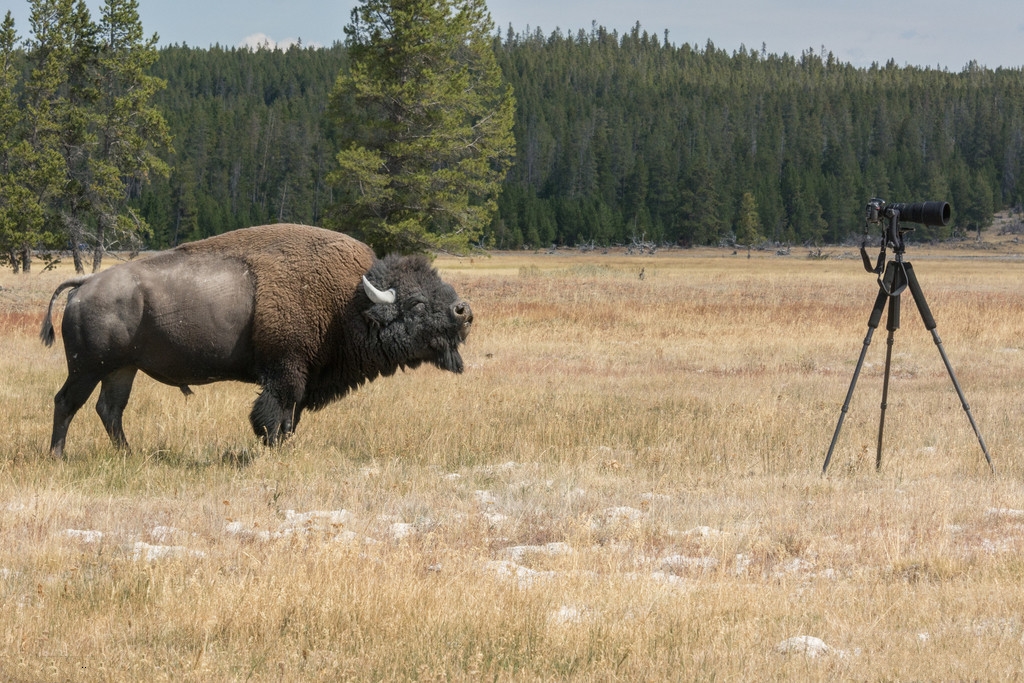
(377, 296)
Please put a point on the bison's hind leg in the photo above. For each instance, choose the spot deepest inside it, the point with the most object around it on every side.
(272, 421)
(71, 397)
(114, 394)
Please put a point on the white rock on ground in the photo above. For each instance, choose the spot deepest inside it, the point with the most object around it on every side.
(400, 530)
(566, 615)
(240, 530)
(808, 646)
(350, 537)
(494, 518)
(152, 553)
(524, 576)
(1005, 512)
(665, 578)
(162, 534)
(656, 498)
(681, 563)
(294, 523)
(703, 532)
(293, 519)
(518, 553)
(84, 535)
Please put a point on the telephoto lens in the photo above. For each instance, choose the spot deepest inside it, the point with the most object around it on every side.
(926, 213)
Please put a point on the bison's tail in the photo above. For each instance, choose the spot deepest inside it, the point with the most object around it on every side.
(46, 333)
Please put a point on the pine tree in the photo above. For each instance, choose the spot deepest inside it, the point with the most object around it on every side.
(976, 212)
(130, 129)
(425, 125)
(13, 197)
(701, 207)
(40, 166)
(75, 203)
(748, 230)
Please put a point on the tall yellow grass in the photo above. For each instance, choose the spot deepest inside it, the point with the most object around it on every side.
(624, 485)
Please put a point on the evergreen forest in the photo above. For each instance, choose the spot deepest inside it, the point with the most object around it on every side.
(619, 138)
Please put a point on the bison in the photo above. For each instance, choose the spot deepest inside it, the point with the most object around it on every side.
(305, 313)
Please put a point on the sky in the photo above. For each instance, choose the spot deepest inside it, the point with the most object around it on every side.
(945, 34)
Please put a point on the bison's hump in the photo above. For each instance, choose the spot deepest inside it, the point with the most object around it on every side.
(302, 241)
(305, 279)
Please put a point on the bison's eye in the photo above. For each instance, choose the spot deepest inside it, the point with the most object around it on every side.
(416, 303)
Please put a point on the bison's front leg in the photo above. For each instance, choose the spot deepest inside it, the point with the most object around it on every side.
(272, 419)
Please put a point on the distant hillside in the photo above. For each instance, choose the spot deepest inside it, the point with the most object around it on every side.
(619, 137)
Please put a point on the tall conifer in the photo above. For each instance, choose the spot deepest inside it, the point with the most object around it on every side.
(18, 207)
(425, 125)
(130, 129)
(42, 168)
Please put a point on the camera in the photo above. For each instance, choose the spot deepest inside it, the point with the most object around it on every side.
(925, 213)
(891, 214)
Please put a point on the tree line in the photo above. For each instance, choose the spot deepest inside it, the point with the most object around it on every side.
(624, 137)
(617, 138)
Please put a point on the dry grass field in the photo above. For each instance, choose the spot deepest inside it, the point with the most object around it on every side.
(625, 484)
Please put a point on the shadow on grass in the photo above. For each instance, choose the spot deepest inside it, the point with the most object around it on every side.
(232, 456)
(240, 456)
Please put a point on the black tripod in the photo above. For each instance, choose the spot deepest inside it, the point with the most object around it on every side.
(899, 275)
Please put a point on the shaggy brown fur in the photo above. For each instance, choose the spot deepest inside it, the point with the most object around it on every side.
(303, 276)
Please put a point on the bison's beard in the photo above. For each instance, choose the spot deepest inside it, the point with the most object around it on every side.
(449, 359)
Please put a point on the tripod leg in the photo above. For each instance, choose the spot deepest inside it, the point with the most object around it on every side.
(929, 323)
(876, 316)
(892, 325)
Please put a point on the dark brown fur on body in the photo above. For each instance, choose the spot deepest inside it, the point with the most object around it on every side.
(282, 306)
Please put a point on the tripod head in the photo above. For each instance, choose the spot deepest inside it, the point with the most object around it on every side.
(878, 212)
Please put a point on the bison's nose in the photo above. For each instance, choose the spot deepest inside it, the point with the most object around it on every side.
(463, 314)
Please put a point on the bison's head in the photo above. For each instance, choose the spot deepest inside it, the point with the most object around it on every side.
(415, 316)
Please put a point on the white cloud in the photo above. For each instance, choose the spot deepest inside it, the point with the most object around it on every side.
(258, 41)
